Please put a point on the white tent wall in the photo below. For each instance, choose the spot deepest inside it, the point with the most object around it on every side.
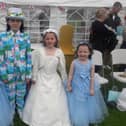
(41, 14)
(70, 3)
(57, 17)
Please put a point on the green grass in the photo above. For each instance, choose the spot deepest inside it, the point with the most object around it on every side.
(115, 118)
(18, 122)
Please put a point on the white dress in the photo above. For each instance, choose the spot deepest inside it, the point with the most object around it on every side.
(46, 104)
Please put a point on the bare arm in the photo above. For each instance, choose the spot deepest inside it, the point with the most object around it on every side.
(92, 80)
(70, 76)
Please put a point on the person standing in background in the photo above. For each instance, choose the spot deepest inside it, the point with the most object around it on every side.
(112, 22)
(113, 19)
(99, 32)
(123, 46)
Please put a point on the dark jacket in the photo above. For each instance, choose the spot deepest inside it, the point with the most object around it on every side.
(100, 36)
(113, 21)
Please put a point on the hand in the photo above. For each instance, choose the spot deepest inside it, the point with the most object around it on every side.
(69, 87)
(28, 81)
(33, 81)
(92, 92)
(5, 81)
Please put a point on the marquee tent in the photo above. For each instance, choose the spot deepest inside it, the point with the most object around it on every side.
(73, 3)
(79, 13)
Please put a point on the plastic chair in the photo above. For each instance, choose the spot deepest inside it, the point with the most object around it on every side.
(97, 59)
(118, 58)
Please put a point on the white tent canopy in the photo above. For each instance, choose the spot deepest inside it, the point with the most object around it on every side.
(73, 3)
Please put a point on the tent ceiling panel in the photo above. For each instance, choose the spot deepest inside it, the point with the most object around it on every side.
(72, 3)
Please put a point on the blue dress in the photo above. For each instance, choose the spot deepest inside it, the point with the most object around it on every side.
(5, 109)
(83, 108)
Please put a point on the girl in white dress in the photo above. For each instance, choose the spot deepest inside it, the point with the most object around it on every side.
(46, 104)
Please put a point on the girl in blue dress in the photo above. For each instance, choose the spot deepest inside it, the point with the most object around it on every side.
(5, 109)
(86, 104)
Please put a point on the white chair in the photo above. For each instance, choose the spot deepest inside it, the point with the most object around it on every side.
(97, 59)
(118, 58)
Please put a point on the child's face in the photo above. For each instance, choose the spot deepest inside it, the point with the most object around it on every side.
(50, 40)
(14, 24)
(83, 52)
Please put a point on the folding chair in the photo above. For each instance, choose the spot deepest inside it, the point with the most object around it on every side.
(97, 59)
(118, 58)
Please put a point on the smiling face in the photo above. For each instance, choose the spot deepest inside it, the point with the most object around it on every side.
(14, 24)
(50, 40)
(83, 52)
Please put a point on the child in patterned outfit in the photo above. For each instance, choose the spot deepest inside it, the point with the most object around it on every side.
(15, 59)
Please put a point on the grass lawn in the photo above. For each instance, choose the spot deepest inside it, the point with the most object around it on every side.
(115, 118)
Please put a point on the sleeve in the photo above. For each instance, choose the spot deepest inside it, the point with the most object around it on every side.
(28, 59)
(35, 63)
(62, 66)
(3, 67)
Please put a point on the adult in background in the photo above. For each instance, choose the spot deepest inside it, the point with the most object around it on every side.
(99, 31)
(124, 35)
(123, 46)
(113, 19)
(112, 22)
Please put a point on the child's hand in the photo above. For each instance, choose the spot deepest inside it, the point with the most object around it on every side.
(28, 81)
(92, 92)
(5, 81)
(33, 81)
(69, 87)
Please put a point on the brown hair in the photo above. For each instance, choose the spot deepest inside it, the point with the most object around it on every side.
(117, 4)
(56, 44)
(84, 44)
(100, 12)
